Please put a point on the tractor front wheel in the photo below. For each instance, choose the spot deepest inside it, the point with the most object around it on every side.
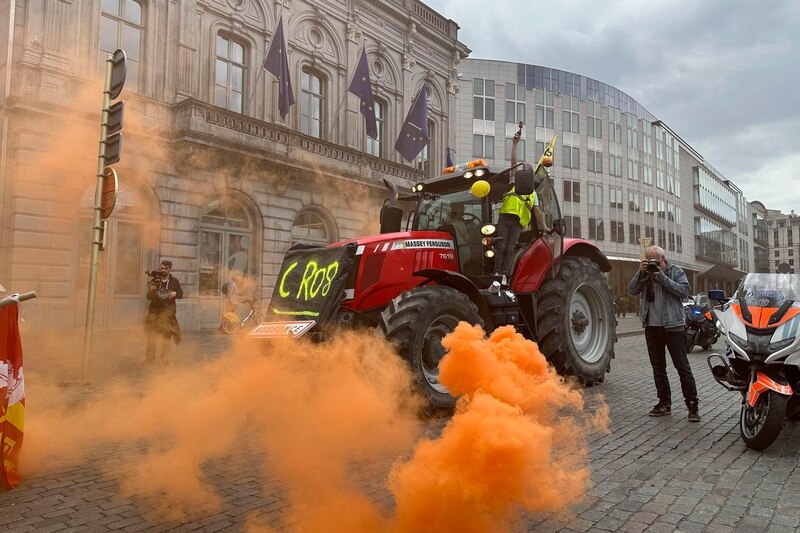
(416, 322)
(576, 324)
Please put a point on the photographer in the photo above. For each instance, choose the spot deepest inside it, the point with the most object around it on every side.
(162, 291)
(663, 286)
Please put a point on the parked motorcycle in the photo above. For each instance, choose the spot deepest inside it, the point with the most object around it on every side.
(700, 329)
(760, 324)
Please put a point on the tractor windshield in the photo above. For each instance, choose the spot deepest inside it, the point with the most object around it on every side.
(460, 214)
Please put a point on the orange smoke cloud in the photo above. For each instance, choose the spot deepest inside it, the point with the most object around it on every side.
(509, 447)
(315, 412)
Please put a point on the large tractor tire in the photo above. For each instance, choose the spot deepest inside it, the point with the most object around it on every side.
(416, 322)
(576, 323)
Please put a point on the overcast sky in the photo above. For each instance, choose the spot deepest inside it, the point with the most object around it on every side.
(723, 74)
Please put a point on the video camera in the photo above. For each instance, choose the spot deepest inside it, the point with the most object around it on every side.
(155, 277)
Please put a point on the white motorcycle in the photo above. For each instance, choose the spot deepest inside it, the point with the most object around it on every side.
(760, 325)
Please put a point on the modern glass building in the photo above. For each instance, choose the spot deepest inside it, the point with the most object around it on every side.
(626, 179)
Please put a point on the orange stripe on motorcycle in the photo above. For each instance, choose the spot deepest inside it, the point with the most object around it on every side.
(764, 383)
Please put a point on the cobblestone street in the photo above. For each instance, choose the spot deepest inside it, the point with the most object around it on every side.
(648, 474)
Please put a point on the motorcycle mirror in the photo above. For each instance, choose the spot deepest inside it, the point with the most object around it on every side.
(717, 295)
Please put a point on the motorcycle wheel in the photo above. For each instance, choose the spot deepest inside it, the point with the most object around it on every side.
(760, 425)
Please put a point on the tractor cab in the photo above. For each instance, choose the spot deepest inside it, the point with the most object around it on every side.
(465, 202)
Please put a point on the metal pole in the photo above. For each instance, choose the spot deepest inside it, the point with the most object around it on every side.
(4, 124)
(97, 237)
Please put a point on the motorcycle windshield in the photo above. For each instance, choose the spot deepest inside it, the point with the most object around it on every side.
(770, 299)
(768, 290)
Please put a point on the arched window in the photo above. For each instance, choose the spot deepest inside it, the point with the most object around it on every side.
(122, 26)
(311, 227)
(225, 246)
(312, 103)
(229, 74)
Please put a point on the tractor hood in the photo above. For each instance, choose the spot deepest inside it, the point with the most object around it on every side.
(416, 239)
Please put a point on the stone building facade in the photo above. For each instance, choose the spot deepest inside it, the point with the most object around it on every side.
(211, 177)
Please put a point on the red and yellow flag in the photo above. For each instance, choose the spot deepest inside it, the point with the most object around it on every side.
(12, 397)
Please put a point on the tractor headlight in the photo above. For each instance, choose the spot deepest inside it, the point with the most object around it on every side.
(489, 253)
(468, 174)
(480, 172)
(488, 229)
(486, 241)
(417, 188)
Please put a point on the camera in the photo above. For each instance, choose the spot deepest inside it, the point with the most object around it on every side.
(652, 265)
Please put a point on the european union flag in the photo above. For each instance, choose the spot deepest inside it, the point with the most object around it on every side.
(278, 64)
(449, 162)
(360, 86)
(414, 133)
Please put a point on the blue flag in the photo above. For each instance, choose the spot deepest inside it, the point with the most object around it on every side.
(278, 64)
(449, 162)
(360, 86)
(414, 133)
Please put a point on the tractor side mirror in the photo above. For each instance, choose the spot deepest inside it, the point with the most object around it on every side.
(523, 181)
(391, 219)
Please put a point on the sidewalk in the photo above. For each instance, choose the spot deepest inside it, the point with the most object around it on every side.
(629, 325)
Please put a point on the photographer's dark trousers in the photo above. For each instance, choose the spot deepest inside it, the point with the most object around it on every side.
(153, 338)
(508, 230)
(161, 326)
(658, 340)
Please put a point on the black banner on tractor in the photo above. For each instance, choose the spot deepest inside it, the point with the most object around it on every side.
(311, 283)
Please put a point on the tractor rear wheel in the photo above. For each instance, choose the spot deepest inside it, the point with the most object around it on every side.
(575, 322)
(416, 322)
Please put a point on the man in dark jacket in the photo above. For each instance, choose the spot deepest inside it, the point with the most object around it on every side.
(663, 286)
(161, 321)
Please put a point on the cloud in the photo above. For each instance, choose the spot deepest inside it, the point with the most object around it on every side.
(716, 72)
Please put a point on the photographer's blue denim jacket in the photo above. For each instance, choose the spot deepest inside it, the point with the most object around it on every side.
(675, 287)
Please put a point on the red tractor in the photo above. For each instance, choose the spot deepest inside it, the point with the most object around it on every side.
(413, 285)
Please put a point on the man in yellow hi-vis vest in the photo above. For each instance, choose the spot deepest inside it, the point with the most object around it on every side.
(515, 215)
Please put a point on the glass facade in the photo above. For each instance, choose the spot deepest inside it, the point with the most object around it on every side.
(550, 79)
(715, 243)
(714, 196)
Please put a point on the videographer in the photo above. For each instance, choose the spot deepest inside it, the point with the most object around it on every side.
(162, 323)
(663, 286)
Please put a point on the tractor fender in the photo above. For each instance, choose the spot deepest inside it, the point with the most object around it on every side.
(530, 271)
(582, 248)
(463, 284)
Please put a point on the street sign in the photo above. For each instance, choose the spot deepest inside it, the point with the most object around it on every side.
(110, 192)
(119, 70)
(114, 120)
(113, 148)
